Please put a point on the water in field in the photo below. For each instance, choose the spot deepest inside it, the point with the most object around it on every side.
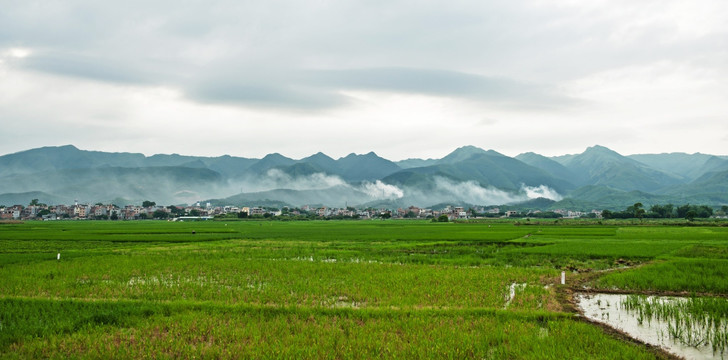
(512, 293)
(691, 328)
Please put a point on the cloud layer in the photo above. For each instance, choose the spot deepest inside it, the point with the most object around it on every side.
(612, 72)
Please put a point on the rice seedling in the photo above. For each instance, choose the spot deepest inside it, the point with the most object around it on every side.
(693, 321)
(320, 289)
(124, 329)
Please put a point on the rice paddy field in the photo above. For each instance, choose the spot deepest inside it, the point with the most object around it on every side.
(340, 289)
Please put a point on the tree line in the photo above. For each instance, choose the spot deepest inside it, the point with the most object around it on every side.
(668, 211)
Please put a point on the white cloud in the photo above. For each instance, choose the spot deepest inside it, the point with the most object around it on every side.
(18, 52)
(541, 191)
(380, 190)
(448, 190)
(277, 179)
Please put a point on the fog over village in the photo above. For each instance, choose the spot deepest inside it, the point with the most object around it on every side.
(461, 184)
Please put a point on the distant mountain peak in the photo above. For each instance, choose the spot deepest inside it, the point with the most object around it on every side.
(274, 156)
(318, 155)
(529, 153)
(270, 161)
(463, 153)
(370, 154)
(599, 149)
(63, 148)
(323, 162)
(599, 152)
(69, 146)
(469, 148)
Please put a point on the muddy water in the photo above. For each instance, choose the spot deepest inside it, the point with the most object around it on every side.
(607, 309)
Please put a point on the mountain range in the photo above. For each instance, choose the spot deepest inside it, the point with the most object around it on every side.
(598, 178)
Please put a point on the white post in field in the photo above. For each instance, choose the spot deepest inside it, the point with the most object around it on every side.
(563, 277)
(59, 256)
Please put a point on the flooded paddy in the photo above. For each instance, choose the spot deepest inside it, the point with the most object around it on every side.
(693, 328)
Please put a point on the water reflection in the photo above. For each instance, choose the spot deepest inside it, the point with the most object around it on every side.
(661, 321)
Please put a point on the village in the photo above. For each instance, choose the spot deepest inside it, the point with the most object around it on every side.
(197, 211)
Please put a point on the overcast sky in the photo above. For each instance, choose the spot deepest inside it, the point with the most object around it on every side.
(404, 79)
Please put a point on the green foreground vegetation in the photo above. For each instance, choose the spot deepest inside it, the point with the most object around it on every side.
(694, 321)
(320, 289)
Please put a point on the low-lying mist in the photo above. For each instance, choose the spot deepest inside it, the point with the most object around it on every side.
(334, 191)
(448, 190)
(277, 179)
(317, 188)
(185, 186)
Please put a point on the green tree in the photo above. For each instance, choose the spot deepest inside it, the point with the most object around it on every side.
(443, 218)
(682, 210)
(34, 202)
(148, 203)
(160, 214)
(177, 211)
(662, 211)
(690, 215)
(636, 210)
(606, 214)
(703, 211)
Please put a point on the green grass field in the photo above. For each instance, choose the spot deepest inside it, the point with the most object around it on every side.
(331, 289)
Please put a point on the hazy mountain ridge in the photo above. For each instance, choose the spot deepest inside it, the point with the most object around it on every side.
(598, 177)
(411, 163)
(169, 184)
(601, 166)
(487, 169)
(550, 166)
